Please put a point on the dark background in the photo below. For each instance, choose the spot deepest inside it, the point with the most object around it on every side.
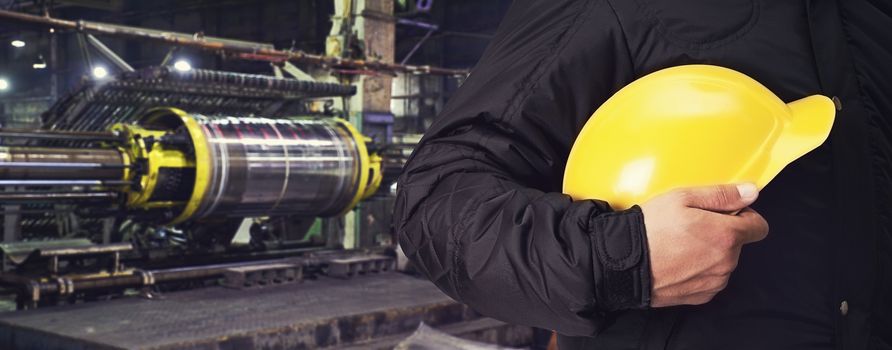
(465, 29)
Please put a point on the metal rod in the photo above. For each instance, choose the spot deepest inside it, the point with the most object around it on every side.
(61, 166)
(417, 46)
(85, 51)
(139, 279)
(225, 46)
(51, 183)
(116, 183)
(36, 211)
(60, 135)
(54, 196)
(53, 61)
(417, 24)
(51, 165)
(109, 54)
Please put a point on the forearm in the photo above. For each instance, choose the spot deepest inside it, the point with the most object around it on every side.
(517, 253)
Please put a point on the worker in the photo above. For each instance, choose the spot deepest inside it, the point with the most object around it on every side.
(480, 211)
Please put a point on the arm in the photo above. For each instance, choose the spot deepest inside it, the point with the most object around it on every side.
(479, 207)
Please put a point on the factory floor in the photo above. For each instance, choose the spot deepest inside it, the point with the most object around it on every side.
(368, 312)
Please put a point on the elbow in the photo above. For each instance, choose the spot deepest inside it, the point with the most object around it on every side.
(423, 259)
(426, 252)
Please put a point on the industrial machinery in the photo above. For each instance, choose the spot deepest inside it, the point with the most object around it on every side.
(174, 167)
(213, 194)
(159, 169)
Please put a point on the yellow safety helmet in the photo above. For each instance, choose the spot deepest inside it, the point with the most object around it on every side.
(686, 126)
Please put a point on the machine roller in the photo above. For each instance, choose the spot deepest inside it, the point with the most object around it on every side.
(144, 182)
(172, 167)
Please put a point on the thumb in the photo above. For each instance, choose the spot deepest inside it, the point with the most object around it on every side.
(721, 198)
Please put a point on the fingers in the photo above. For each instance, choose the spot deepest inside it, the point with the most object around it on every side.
(720, 198)
(695, 238)
(733, 231)
(749, 226)
(695, 292)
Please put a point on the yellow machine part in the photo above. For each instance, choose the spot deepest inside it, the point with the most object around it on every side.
(375, 177)
(693, 125)
(201, 162)
(134, 150)
(156, 158)
(370, 166)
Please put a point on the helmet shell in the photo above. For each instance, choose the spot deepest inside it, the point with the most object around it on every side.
(687, 126)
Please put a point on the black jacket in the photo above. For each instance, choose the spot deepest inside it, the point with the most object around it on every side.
(480, 212)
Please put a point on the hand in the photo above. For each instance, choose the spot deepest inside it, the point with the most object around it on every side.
(695, 236)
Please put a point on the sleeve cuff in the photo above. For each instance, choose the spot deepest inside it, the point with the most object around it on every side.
(621, 260)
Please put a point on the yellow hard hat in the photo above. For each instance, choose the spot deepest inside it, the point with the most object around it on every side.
(687, 126)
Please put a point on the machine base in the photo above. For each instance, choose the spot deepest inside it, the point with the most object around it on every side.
(368, 312)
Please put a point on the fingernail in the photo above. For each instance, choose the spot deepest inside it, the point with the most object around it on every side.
(747, 191)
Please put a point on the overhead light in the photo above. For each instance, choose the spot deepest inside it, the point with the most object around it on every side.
(39, 63)
(4, 84)
(182, 66)
(99, 72)
(17, 43)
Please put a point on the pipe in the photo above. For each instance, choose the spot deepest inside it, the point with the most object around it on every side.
(109, 54)
(57, 166)
(144, 278)
(243, 50)
(32, 197)
(62, 166)
(65, 183)
(60, 135)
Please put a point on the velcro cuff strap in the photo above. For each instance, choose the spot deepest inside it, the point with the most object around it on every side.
(622, 264)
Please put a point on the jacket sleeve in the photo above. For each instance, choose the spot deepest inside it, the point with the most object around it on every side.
(479, 208)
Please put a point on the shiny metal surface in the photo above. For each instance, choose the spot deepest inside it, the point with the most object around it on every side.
(33, 163)
(269, 166)
(57, 135)
(6, 197)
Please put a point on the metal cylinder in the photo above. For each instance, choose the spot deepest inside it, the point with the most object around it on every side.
(35, 163)
(57, 135)
(273, 167)
(36, 197)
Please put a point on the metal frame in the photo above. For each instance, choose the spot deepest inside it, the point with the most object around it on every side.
(234, 48)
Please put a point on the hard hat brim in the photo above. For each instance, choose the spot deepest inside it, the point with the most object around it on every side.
(810, 125)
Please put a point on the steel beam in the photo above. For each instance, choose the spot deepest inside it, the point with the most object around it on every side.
(233, 48)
